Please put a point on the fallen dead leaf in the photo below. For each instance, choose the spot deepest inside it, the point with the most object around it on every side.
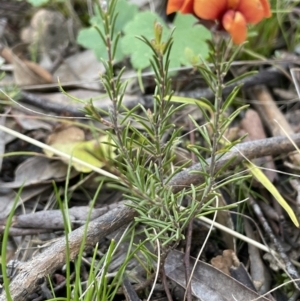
(71, 140)
(29, 73)
(38, 170)
(208, 283)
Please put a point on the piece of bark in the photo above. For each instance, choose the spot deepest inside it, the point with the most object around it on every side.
(53, 219)
(253, 126)
(259, 272)
(273, 117)
(22, 232)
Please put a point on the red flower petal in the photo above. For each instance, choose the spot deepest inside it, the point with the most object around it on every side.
(184, 6)
(235, 24)
(210, 9)
(267, 9)
(174, 5)
(232, 4)
(187, 7)
(254, 10)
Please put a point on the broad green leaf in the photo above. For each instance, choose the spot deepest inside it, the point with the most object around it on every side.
(38, 2)
(189, 41)
(260, 176)
(141, 25)
(90, 38)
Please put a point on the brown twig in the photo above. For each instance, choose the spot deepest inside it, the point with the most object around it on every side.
(186, 259)
(288, 265)
(248, 150)
(165, 284)
(54, 257)
(270, 75)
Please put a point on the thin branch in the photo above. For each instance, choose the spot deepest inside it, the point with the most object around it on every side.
(240, 153)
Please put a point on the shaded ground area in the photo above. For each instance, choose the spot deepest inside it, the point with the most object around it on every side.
(60, 168)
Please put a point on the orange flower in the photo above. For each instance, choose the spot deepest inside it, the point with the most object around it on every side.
(231, 15)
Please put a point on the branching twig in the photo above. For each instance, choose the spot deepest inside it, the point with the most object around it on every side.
(288, 265)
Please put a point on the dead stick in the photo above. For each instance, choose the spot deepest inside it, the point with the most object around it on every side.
(30, 273)
(268, 77)
(250, 150)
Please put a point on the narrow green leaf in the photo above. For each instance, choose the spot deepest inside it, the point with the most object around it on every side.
(230, 98)
(261, 177)
(239, 78)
